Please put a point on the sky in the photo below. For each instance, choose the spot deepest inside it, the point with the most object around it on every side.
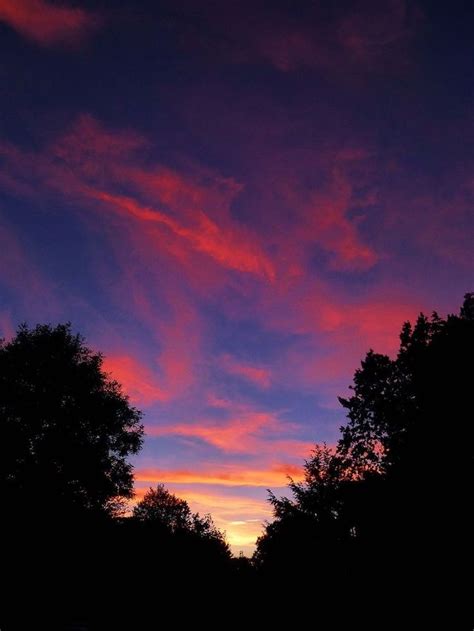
(234, 201)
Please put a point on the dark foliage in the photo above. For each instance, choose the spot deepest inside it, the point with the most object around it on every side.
(66, 429)
(380, 522)
(161, 513)
(182, 543)
(387, 508)
(71, 555)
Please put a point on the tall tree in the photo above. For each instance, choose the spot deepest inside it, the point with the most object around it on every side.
(310, 524)
(402, 409)
(396, 487)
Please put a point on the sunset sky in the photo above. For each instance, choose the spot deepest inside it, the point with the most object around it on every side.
(234, 201)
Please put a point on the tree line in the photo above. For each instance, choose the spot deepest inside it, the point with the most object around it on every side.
(383, 517)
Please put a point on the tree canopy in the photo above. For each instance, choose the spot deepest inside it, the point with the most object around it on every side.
(165, 511)
(66, 428)
(162, 508)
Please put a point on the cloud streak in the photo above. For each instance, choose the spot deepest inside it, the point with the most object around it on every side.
(138, 381)
(225, 475)
(48, 24)
(229, 250)
(258, 375)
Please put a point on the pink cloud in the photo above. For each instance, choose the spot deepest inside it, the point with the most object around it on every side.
(174, 210)
(231, 435)
(228, 248)
(175, 332)
(87, 144)
(375, 321)
(170, 211)
(242, 430)
(180, 337)
(48, 24)
(257, 375)
(327, 223)
(138, 381)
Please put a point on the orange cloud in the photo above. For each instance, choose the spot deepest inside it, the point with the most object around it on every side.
(48, 24)
(256, 374)
(240, 517)
(138, 382)
(225, 475)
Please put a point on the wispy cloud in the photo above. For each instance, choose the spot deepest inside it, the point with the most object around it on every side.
(362, 35)
(48, 24)
(139, 382)
(226, 247)
(258, 375)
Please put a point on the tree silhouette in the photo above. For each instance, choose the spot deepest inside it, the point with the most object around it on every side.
(395, 488)
(409, 443)
(165, 511)
(310, 524)
(188, 550)
(401, 408)
(66, 429)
